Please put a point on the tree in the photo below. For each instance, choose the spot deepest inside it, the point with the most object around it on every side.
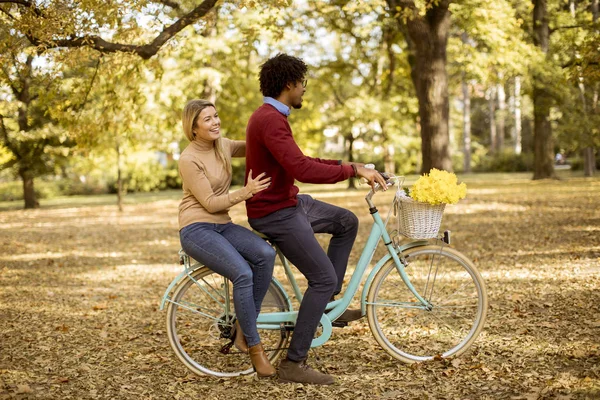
(363, 80)
(581, 31)
(32, 110)
(485, 47)
(426, 35)
(565, 79)
(542, 98)
(52, 33)
(117, 120)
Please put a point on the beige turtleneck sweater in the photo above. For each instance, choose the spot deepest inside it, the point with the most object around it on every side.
(206, 196)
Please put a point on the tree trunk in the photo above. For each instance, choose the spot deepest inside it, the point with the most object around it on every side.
(427, 38)
(389, 165)
(491, 96)
(28, 189)
(466, 125)
(542, 135)
(119, 179)
(589, 161)
(349, 139)
(517, 116)
(431, 84)
(542, 101)
(501, 118)
(388, 159)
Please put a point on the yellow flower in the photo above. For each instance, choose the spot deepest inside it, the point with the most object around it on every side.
(438, 187)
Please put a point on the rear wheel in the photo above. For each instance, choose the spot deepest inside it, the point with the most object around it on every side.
(200, 317)
(456, 292)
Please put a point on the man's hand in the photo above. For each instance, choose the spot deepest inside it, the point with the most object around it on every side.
(372, 176)
(356, 164)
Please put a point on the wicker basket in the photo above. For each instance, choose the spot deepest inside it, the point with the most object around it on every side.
(418, 220)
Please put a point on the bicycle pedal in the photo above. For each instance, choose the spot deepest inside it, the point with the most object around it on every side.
(339, 324)
(226, 349)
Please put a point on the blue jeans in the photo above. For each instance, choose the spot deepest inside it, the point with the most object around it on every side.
(293, 230)
(238, 254)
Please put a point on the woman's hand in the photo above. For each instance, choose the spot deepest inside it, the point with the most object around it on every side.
(257, 184)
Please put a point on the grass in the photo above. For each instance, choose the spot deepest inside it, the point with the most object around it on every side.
(476, 179)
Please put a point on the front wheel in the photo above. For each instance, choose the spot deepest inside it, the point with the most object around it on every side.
(410, 331)
(200, 316)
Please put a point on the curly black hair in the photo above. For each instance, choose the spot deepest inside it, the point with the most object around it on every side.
(278, 71)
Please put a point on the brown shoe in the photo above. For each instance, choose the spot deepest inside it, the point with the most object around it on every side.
(350, 315)
(239, 341)
(300, 372)
(260, 362)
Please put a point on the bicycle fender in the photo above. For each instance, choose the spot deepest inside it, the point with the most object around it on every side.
(189, 271)
(377, 267)
(280, 287)
(175, 281)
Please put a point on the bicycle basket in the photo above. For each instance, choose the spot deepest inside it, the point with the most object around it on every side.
(418, 220)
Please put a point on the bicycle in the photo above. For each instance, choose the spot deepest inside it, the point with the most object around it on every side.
(439, 312)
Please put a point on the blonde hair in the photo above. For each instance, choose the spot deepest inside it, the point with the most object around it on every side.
(191, 111)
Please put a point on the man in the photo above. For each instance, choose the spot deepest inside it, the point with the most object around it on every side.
(291, 220)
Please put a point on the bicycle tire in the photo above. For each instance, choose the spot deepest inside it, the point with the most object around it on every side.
(199, 325)
(411, 333)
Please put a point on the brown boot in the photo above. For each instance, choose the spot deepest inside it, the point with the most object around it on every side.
(260, 362)
(239, 341)
(300, 372)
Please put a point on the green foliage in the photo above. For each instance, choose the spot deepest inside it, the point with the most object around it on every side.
(506, 161)
(10, 191)
(360, 88)
(143, 173)
(13, 191)
(488, 43)
(576, 162)
(139, 176)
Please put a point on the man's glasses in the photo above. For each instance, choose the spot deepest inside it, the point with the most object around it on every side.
(304, 83)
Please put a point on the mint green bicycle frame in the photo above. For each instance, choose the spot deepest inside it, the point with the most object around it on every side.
(334, 309)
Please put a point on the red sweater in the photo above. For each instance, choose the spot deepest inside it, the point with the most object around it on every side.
(270, 148)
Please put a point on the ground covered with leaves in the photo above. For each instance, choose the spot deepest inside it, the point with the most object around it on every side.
(80, 288)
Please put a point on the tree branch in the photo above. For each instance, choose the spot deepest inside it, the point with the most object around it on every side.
(91, 82)
(552, 30)
(25, 3)
(573, 63)
(7, 14)
(6, 140)
(10, 82)
(168, 3)
(144, 51)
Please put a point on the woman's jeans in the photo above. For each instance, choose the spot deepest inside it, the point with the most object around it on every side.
(239, 255)
(293, 230)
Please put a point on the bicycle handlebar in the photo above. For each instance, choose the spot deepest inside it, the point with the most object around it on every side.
(390, 180)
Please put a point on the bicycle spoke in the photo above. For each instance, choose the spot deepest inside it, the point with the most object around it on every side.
(444, 323)
(207, 291)
(397, 304)
(444, 307)
(193, 309)
(454, 291)
(459, 289)
(199, 321)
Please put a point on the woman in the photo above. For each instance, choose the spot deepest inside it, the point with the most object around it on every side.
(205, 228)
